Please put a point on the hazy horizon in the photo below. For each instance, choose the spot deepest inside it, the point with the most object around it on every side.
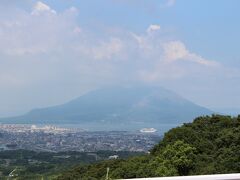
(52, 52)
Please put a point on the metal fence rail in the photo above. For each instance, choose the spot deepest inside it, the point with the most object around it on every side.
(199, 177)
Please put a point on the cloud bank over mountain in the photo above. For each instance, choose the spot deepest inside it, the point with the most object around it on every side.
(49, 51)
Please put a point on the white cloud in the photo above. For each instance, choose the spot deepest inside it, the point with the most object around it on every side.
(108, 49)
(40, 7)
(38, 32)
(153, 27)
(61, 36)
(43, 48)
(176, 50)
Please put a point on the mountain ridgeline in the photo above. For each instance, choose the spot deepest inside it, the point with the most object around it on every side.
(129, 107)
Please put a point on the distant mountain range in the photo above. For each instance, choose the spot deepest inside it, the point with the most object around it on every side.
(118, 108)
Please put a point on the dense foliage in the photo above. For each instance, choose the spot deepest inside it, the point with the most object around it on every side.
(209, 145)
(46, 165)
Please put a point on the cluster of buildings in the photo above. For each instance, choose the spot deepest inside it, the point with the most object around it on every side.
(55, 139)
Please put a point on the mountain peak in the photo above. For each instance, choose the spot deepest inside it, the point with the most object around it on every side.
(130, 107)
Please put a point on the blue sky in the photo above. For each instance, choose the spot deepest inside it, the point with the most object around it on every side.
(52, 51)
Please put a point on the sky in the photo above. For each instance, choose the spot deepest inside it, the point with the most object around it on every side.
(53, 51)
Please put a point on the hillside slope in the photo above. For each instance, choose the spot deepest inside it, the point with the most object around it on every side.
(138, 106)
(209, 145)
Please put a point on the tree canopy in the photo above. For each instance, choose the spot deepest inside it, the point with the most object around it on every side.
(208, 145)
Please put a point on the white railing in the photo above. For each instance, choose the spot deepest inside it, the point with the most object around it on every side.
(199, 177)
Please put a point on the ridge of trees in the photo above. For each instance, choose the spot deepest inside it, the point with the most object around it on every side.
(208, 145)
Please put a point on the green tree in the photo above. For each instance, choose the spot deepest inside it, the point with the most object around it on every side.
(178, 157)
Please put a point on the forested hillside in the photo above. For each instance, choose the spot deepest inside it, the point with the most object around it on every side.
(30, 165)
(209, 145)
